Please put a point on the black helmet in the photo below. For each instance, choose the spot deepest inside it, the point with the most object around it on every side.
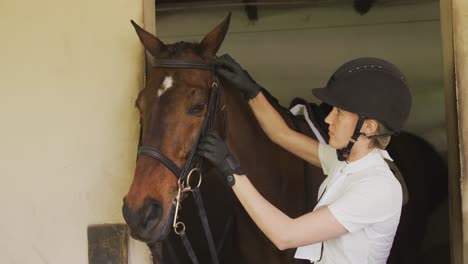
(370, 87)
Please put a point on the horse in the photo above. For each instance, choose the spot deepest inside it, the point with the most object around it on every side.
(173, 109)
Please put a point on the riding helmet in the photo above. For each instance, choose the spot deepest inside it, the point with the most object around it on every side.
(370, 87)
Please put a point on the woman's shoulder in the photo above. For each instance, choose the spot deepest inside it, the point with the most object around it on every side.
(379, 176)
(378, 185)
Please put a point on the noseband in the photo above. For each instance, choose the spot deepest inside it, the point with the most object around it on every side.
(193, 163)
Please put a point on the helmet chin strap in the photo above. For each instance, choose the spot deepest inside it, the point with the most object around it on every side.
(343, 154)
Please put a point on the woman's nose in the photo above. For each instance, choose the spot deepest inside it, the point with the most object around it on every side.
(329, 118)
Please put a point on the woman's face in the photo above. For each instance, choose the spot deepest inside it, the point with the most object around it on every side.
(341, 127)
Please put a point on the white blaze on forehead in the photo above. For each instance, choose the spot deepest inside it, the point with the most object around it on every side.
(166, 84)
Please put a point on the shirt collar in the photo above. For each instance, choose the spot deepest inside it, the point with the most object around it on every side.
(373, 158)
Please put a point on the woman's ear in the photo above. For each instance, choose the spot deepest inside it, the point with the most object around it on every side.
(370, 127)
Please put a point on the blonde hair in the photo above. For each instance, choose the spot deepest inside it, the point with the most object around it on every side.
(381, 142)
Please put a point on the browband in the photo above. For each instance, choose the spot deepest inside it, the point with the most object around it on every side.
(165, 63)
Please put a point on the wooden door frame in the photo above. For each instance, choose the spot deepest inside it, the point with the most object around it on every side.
(453, 135)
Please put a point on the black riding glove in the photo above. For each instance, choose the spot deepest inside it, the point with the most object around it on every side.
(228, 68)
(213, 148)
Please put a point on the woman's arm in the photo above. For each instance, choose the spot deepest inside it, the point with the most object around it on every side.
(282, 230)
(279, 132)
(271, 122)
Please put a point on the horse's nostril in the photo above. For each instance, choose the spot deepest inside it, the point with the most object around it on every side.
(129, 215)
(147, 217)
(153, 211)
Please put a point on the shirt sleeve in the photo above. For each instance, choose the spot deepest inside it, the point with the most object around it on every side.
(366, 202)
(328, 158)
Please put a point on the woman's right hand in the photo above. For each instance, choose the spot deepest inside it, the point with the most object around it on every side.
(213, 148)
(228, 68)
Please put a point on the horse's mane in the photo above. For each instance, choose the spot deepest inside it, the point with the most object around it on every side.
(272, 100)
(316, 112)
(283, 111)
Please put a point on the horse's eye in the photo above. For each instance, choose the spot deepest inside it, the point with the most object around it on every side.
(196, 109)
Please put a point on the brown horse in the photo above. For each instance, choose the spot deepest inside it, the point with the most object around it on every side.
(172, 108)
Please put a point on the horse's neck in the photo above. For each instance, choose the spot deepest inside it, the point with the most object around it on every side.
(276, 173)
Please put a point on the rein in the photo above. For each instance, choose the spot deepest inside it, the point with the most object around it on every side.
(193, 164)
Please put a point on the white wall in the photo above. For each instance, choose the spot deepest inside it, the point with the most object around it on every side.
(289, 51)
(69, 74)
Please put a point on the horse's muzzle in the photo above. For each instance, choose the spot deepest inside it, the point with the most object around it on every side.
(146, 223)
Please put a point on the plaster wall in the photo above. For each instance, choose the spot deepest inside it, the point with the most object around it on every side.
(69, 74)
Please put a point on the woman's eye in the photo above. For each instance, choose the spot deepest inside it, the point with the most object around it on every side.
(195, 109)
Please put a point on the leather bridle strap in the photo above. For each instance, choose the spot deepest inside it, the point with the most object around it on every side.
(155, 153)
(155, 253)
(163, 63)
(206, 226)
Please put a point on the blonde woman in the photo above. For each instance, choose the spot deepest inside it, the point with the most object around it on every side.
(360, 201)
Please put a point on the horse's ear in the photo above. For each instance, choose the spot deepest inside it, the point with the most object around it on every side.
(213, 40)
(149, 41)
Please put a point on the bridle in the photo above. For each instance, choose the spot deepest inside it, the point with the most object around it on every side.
(192, 165)
(208, 122)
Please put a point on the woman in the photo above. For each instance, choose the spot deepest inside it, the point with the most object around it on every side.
(360, 201)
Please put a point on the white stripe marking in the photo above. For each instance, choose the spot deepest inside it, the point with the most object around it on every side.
(167, 83)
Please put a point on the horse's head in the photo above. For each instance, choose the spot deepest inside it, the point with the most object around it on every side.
(172, 108)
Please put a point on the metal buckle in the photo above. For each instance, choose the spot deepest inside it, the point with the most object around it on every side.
(184, 186)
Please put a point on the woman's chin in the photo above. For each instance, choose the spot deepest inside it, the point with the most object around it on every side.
(336, 145)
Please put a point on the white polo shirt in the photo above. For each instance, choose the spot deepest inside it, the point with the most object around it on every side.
(366, 198)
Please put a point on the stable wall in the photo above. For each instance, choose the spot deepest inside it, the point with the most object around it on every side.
(69, 74)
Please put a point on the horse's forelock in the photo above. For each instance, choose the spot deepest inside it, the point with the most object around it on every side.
(182, 48)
